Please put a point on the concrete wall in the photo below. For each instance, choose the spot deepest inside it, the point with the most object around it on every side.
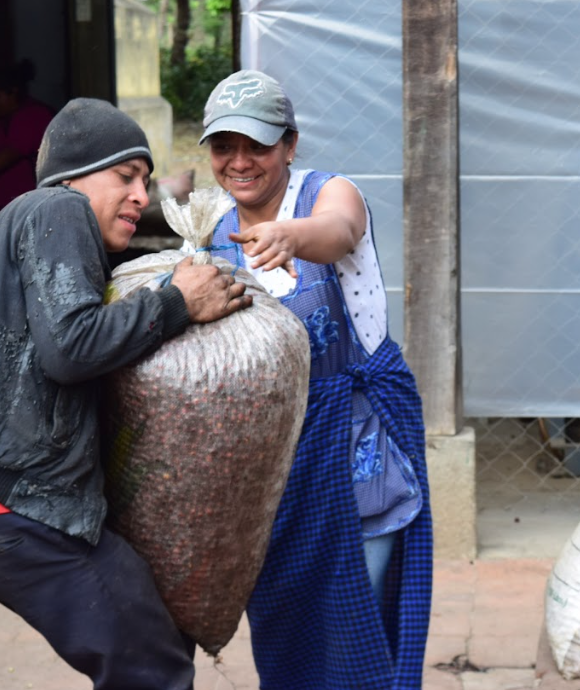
(451, 467)
(138, 78)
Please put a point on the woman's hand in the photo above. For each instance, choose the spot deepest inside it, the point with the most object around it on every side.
(336, 226)
(270, 244)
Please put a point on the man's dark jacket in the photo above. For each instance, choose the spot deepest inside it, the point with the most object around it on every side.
(56, 339)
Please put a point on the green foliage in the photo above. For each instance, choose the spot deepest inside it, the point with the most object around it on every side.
(215, 8)
(218, 7)
(188, 86)
(211, 18)
(208, 55)
(153, 4)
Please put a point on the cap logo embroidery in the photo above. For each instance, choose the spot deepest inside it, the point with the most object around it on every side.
(235, 94)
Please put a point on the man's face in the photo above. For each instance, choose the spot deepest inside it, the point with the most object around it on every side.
(117, 195)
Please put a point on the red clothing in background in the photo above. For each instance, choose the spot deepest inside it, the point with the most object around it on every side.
(22, 132)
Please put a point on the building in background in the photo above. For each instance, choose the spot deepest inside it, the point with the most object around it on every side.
(96, 48)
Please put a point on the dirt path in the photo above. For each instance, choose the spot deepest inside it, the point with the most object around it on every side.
(189, 155)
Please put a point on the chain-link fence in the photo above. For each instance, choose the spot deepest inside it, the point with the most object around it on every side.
(519, 144)
(520, 156)
(519, 114)
(527, 484)
(517, 457)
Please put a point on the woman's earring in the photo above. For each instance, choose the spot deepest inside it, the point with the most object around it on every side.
(289, 161)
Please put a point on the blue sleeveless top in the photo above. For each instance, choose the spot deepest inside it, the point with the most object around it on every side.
(385, 485)
(314, 618)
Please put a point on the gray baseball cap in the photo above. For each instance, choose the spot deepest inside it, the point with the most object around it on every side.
(251, 103)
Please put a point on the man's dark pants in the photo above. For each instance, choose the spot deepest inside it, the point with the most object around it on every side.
(97, 606)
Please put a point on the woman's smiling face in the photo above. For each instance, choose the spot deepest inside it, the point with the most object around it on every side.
(254, 174)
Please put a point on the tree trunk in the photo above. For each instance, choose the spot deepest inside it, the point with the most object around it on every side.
(163, 8)
(181, 35)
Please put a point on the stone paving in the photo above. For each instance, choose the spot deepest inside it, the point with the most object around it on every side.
(484, 633)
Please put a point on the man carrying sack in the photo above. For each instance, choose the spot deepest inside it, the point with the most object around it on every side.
(61, 569)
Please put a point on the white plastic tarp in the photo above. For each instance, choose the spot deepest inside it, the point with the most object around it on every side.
(519, 67)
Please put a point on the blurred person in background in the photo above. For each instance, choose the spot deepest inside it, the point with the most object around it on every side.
(23, 121)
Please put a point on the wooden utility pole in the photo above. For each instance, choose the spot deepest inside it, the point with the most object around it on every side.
(431, 242)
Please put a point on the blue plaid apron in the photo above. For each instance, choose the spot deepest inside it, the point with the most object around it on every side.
(314, 619)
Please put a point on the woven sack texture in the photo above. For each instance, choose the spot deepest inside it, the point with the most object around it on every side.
(562, 608)
(201, 437)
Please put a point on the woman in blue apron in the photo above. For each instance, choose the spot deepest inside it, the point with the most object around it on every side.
(343, 600)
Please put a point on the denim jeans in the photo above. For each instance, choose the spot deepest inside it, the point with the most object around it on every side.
(378, 552)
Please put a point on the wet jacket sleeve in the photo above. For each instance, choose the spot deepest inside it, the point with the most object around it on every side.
(64, 270)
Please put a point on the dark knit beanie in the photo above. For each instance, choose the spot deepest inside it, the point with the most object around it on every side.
(87, 135)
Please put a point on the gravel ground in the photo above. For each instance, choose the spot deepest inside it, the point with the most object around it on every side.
(189, 155)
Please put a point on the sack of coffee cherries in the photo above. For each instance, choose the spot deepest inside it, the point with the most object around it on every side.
(201, 437)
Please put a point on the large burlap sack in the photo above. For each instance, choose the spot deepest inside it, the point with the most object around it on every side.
(202, 436)
(562, 608)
